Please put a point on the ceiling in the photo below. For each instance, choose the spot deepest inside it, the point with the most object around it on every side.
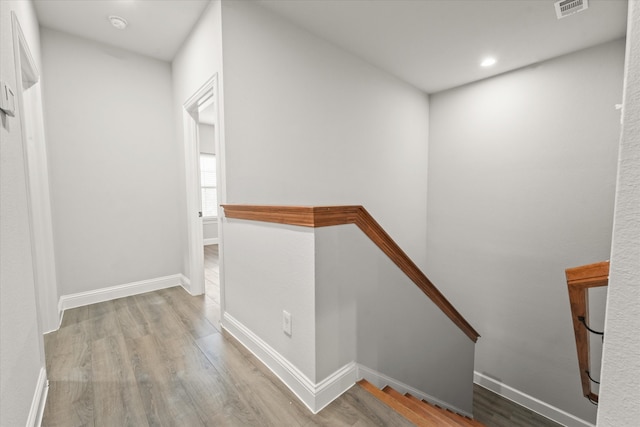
(157, 28)
(432, 44)
(439, 44)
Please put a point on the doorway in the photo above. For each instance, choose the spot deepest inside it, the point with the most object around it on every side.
(203, 165)
(207, 123)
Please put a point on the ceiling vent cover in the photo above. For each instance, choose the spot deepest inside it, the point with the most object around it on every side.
(565, 8)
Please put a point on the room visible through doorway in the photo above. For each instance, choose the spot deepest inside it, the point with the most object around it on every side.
(206, 136)
(204, 167)
(212, 282)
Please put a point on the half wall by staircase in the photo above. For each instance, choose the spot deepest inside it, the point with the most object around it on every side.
(355, 313)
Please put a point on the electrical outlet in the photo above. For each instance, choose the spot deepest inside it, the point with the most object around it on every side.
(286, 322)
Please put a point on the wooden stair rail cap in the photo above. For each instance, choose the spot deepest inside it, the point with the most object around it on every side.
(588, 276)
(324, 216)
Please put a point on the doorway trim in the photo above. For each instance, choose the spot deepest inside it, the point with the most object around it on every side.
(29, 97)
(205, 96)
(29, 106)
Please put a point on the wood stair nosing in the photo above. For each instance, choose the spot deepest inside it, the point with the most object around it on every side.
(419, 412)
(443, 414)
(469, 420)
(474, 422)
(418, 408)
(394, 404)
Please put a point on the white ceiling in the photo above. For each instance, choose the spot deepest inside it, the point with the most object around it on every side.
(438, 44)
(156, 28)
(432, 44)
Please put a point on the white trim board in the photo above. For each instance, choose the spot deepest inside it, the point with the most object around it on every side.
(380, 380)
(210, 241)
(529, 402)
(206, 95)
(317, 396)
(186, 283)
(313, 396)
(39, 399)
(113, 292)
(29, 106)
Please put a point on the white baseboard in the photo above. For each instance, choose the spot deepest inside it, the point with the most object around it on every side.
(529, 402)
(60, 316)
(380, 380)
(52, 324)
(186, 283)
(317, 396)
(210, 241)
(335, 385)
(39, 400)
(313, 396)
(113, 292)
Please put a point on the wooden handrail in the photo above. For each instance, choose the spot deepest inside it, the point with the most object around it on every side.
(323, 216)
(579, 280)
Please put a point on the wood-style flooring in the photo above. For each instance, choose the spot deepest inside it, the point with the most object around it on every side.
(160, 359)
(494, 410)
(212, 281)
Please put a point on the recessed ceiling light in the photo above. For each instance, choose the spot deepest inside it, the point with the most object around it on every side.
(488, 62)
(118, 22)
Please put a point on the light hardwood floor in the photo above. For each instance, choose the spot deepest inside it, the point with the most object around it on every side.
(158, 359)
(212, 281)
(494, 410)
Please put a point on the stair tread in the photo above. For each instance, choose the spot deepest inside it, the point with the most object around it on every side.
(442, 414)
(393, 403)
(430, 415)
(450, 414)
(417, 411)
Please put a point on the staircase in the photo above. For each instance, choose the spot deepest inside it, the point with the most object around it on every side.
(419, 412)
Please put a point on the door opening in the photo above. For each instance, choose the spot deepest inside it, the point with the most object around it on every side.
(206, 135)
(205, 177)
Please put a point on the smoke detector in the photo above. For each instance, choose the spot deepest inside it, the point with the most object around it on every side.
(565, 8)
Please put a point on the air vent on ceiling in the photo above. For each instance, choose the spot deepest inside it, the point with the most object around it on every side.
(565, 8)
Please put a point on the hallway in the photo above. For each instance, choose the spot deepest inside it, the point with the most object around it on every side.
(157, 359)
(160, 358)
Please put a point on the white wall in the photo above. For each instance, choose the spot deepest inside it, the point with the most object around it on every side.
(621, 364)
(308, 124)
(199, 58)
(367, 310)
(521, 186)
(348, 303)
(209, 230)
(286, 273)
(207, 138)
(114, 176)
(21, 344)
